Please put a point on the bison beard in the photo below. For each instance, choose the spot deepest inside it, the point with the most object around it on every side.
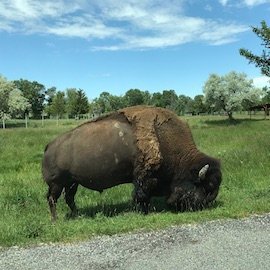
(149, 147)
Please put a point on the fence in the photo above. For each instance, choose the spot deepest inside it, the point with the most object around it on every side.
(54, 121)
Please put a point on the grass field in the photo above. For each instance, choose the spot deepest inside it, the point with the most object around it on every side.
(243, 148)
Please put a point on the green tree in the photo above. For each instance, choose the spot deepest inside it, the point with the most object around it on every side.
(106, 103)
(58, 105)
(263, 61)
(147, 98)
(103, 103)
(116, 102)
(198, 104)
(94, 108)
(184, 103)
(156, 99)
(71, 102)
(77, 102)
(228, 92)
(190, 108)
(34, 92)
(82, 106)
(50, 93)
(134, 97)
(169, 100)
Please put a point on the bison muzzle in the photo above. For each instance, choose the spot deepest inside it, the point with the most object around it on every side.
(149, 147)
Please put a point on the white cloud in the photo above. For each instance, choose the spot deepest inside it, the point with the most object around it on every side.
(252, 3)
(20, 10)
(223, 2)
(130, 24)
(261, 81)
(82, 27)
(219, 35)
(249, 3)
(208, 8)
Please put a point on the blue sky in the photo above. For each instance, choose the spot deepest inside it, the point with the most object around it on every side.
(114, 45)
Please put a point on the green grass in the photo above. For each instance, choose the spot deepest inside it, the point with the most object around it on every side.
(242, 147)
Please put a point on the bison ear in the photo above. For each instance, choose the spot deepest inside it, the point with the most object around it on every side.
(203, 171)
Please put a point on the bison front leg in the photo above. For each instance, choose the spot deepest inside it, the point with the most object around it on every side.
(70, 192)
(142, 192)
(141, 198)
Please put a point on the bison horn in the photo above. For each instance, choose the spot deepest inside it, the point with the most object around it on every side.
(203, 171)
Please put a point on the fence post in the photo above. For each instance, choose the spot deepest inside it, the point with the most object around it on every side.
(26, 120)
(4, 124)
(42, 119)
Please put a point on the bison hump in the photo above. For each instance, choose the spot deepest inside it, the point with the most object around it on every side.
(145, 120)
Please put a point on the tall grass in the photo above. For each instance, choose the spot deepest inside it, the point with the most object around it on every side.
(242, 147)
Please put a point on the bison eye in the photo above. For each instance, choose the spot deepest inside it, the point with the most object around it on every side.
(211, 185)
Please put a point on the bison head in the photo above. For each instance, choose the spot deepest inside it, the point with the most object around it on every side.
(197, 190)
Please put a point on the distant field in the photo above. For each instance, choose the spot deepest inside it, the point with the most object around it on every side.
(243, 148)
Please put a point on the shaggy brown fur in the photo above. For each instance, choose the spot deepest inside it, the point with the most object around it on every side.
(144, 121)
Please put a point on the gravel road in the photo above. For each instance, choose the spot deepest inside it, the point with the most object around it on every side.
(230, 244)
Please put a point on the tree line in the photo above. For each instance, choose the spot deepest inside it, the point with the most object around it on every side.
(21, 97)
(228, 93)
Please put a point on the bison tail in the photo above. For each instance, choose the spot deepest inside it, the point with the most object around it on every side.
(46, 147)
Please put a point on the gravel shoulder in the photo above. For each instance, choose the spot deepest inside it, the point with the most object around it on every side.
(222, 244)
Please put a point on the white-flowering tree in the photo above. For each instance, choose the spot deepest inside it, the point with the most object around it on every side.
(252, 98)
(12, 103)
(17, 103)
(230, 92)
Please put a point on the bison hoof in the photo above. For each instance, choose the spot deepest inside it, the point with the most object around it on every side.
(143, 207)
(73, 214)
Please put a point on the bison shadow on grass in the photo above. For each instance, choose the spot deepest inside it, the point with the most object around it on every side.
(158, 205)
(228, 122)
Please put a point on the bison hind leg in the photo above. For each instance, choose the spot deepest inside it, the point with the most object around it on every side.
(54, 193)
(70, 192)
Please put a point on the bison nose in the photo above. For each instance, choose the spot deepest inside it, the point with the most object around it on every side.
(199, 194)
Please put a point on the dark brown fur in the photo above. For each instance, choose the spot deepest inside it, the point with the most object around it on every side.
(150, 147)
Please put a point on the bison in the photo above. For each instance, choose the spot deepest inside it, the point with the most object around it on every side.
(147, 146)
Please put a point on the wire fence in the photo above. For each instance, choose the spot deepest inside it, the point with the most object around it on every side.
(65, 121)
